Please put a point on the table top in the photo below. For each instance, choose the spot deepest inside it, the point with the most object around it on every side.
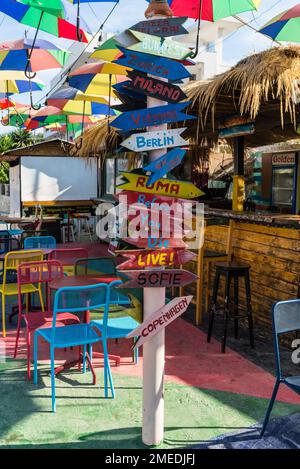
(81, 281)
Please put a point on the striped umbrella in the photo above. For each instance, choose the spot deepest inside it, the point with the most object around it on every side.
(284, 27)
(69, 93)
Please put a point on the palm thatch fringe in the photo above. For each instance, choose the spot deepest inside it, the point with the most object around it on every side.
(267, 76)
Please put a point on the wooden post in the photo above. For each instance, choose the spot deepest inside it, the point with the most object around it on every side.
(238, 178)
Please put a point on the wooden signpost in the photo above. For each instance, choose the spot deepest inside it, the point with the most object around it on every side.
(168, 187)
(154, 65)
(160, 319)
(164, 27)
(156, 140)
(152, 117)
(164, 164)
(157, 278)
(141, 42)
(150, 86)
(139, 259)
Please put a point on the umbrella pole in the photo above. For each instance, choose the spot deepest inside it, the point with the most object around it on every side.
(109, 102)
(198, 31)
(78, 33)
(26, 71)
(67, 130)
(8, 112)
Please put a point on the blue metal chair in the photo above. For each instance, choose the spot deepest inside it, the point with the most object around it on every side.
(286, 318)
(76, 300)
(4, 241)
(40, 242)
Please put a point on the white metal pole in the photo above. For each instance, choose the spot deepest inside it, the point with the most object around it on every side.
(154, 348)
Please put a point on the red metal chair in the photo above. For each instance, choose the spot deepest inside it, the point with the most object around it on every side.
(68, 257)
(35, 273)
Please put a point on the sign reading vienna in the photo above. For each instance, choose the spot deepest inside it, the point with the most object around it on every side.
(158, 89)
(163, 258)
(160, 319)
(157, 278)
(162, 27)
(158, 66)
(155, 140)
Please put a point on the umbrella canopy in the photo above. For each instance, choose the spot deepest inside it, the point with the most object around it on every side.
(107, 51)
(41, 121)
(96, 84)
(6, 103)
(212, 10)
(67, 93)
(82, 107)
(14, 55)
(60, 25)
(99, 68)
(284, 27)
(12, 82)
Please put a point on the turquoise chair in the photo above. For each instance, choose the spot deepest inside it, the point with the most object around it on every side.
(77, 300)
(40, 242)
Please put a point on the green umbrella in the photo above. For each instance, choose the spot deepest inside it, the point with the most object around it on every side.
(284, 27)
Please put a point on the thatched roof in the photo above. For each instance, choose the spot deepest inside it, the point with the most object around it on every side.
(263, 87)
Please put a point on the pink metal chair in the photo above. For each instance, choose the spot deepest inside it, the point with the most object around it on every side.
(68, 257)
(38, 273)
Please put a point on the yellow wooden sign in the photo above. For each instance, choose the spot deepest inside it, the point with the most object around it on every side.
(168, 187)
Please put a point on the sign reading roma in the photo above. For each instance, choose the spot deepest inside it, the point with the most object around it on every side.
(160, 319)
(151, 117)
(163, 258)
(162, 27)
(169, 187)
(155, 140)
(155, 88)
(157, 278)
(154, 65)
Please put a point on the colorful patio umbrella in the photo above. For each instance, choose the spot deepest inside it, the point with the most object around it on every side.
(107, 51)
(67, 93)
(14, 55)
(37, 122)
(96, 83)
(284, 27)
(82, 107)
(212, 10)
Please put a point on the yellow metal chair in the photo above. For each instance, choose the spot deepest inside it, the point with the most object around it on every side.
(12, 261)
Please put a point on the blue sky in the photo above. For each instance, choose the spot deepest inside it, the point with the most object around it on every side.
(242, 43)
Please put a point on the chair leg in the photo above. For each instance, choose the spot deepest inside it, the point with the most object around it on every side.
(28, 351)
(84, 359)
(213, 307)
(249, 309)
(53, 379)
(18, 335)
(236, 306)
(270, 407)
(35, 356)
(41, 299)
(135, 353)
(206, 305)
(226, 311)
(107, 373)
(3, 316)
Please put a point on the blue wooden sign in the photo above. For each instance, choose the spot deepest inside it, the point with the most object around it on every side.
(154, 65)
(164, 164)
(152, 117)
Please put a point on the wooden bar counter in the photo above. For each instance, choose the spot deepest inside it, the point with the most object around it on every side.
(270, 244)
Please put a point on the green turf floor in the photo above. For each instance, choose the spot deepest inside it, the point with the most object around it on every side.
(84, 419)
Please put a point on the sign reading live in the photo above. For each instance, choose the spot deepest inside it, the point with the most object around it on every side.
(152, 117)
(160, 319)
(157, 278)
(168, 187)
(155, 140)
(164, 164)
(163, 258)
(155, 88)
(154, 65)
(162, 27)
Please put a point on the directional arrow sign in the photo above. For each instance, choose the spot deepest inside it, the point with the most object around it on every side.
(168, 187)
(160, 319)
(163, 258)
(147, 199)
(154, 65)
(125, 92)
(164, 164)
(155, 88)
(163, 27)
(157, 278)
(152, 117)
(155, 140)
(141, 42)
(158, 243)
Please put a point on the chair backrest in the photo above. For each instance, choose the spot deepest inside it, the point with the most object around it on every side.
(13, 259)
(96, 265)
(31, 233)
(286, 318)
(36, 242)
(68, 256)
(4, 241)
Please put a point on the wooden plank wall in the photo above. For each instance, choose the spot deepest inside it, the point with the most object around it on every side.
(274, 257)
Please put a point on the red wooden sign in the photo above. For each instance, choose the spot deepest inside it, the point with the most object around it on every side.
(157, 278)
(148, 199)
(164, 258)
(160, 319)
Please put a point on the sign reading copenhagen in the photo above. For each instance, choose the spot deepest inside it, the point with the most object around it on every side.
(163, 27)
(155, 140)
(164, 164)
(154, 65)
(150, 86)
(168, 187)
(164, 258)
(151, 117)
(160, 319)
(157, 278)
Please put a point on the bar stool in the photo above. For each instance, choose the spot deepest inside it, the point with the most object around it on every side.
(231, 271)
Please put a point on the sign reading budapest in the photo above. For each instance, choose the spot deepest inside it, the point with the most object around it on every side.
(155, 140)
(155, 88)
(160, 319)
(154, 65)
(163, 258)
(162, 27)
(157, 278)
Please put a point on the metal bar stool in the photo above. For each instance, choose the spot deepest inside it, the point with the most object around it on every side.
(231, 271)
